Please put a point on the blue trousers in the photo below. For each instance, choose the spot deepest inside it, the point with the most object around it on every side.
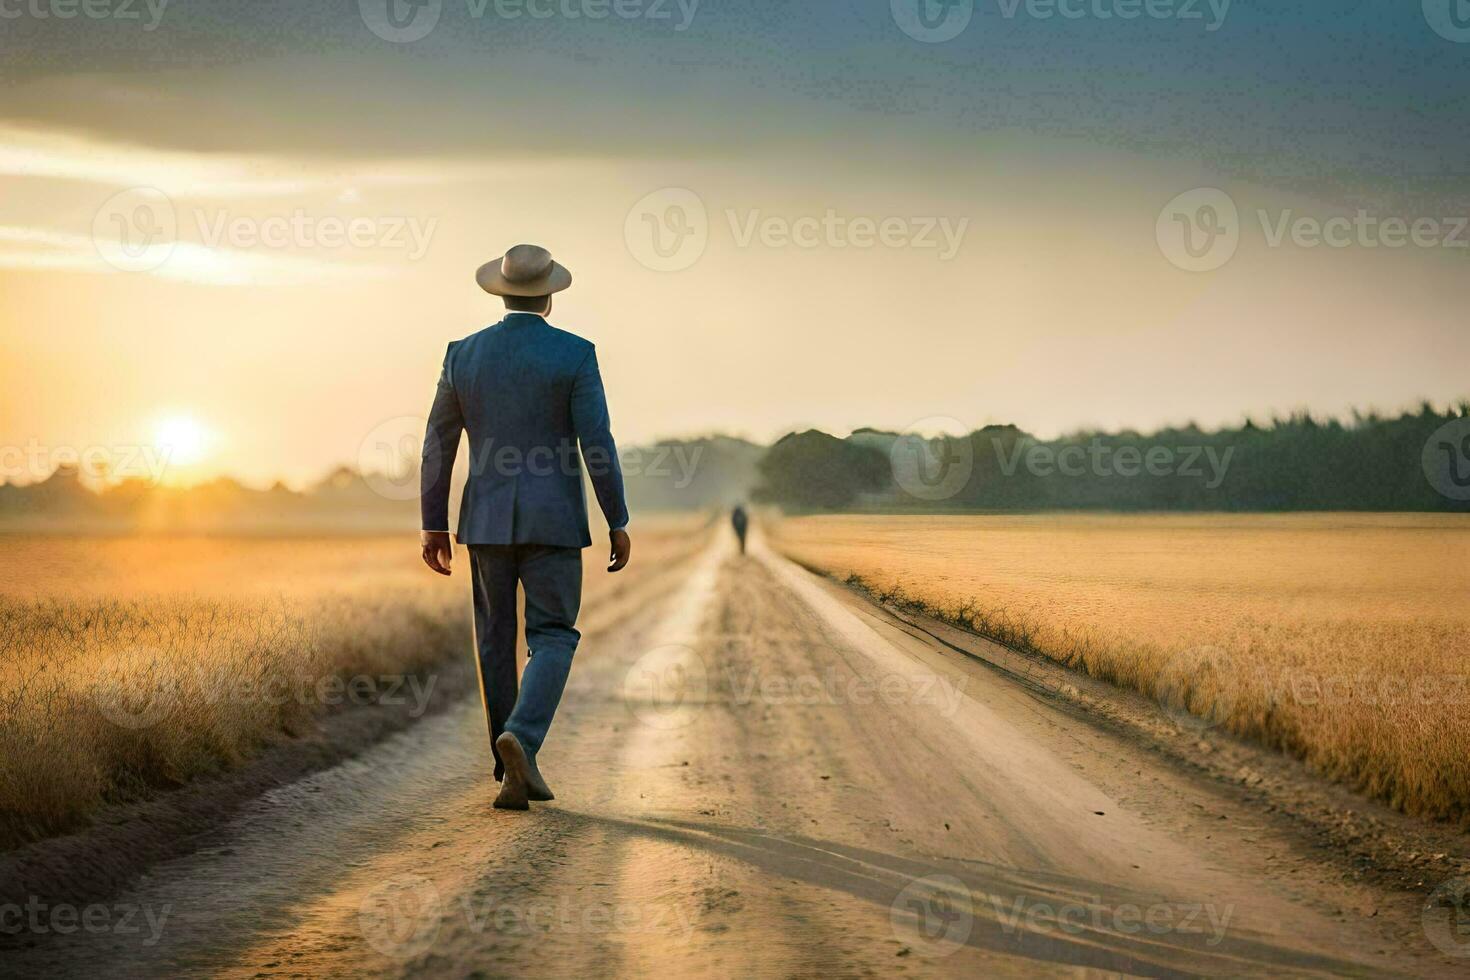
(552, 580)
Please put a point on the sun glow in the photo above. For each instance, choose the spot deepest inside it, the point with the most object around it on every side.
(182, 440)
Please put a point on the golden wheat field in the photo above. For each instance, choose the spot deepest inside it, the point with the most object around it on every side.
(1341, 639)
(133, 664)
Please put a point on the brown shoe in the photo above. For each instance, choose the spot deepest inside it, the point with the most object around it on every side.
(513, 789)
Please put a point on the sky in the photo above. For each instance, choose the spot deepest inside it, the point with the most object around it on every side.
(248, 231)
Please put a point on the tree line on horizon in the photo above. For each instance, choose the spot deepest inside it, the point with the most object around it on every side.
(669, 475)
(1297, 463)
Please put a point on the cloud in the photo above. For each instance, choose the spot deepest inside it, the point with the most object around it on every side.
(76, 164)
(42, 250)
(57, 155)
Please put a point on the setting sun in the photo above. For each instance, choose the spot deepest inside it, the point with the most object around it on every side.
(182, 440)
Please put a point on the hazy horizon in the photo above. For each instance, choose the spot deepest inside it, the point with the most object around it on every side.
(150, 464)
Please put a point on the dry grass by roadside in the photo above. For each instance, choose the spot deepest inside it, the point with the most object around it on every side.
(136, 664)
(1343, 640)
(108, 699)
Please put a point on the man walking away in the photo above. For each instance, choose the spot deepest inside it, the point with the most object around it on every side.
(528, 395)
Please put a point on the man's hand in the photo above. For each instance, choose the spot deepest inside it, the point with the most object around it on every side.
(622, 549)
(438, 551)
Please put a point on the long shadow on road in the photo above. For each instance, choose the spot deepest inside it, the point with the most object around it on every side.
(1039, 916)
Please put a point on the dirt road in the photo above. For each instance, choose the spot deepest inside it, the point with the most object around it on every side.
(757, 775)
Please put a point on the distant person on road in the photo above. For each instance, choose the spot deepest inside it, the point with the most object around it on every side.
(529, 395)
(740, 521)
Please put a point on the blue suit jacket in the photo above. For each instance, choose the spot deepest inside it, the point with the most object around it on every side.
(527, 394)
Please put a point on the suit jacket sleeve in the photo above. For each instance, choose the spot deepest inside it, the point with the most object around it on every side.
(599, 451)
(441, 446)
